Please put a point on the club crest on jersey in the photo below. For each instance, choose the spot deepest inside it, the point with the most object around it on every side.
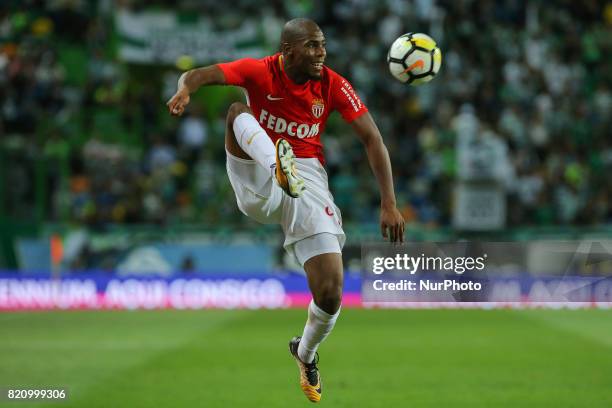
(318, 107)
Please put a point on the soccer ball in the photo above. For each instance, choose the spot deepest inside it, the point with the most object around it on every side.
(414, 58)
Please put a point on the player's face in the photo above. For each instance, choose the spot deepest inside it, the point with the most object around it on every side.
(309, 54)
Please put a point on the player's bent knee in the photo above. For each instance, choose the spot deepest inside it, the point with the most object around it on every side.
(231, 144)
(236, 109)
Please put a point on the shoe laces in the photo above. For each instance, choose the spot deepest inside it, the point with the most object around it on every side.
(312, 370)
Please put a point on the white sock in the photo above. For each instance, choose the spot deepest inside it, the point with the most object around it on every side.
(318, 326)
(254, 140)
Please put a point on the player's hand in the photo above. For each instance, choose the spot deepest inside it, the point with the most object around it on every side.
(392, 224)
(176, 104)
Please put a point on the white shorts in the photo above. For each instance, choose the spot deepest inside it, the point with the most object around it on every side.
(324, 243)
(259, 197)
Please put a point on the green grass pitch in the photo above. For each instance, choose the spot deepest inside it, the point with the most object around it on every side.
(374, 358)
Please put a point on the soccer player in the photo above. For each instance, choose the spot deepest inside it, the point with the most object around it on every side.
(275, 164)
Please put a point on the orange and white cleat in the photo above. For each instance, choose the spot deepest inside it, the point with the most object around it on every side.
(285, 172)
(310, 379)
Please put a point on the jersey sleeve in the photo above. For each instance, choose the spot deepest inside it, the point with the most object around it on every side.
(345, 100)
(241, 72)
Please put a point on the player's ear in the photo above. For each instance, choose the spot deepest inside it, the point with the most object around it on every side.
(285, 48)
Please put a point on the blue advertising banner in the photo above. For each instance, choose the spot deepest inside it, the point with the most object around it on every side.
(106, 291)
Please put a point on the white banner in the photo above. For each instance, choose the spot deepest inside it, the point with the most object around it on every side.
(479, 206)
(159, 37)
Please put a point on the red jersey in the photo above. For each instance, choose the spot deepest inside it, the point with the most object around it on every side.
(296, 112)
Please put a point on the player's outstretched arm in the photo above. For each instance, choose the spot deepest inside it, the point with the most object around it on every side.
(391, 221)
(190, 82)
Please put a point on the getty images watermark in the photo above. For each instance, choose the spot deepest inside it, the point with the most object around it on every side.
(413, 264)
(554, 271)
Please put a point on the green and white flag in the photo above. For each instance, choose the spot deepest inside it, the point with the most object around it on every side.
(160, 37)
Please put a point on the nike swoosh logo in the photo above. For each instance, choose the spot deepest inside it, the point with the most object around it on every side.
(271, 98)
(249, 140)
(417, 64)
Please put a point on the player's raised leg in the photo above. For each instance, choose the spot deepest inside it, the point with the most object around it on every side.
(325, 278)
(246, 139)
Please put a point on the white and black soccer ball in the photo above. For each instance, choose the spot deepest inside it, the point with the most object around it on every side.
(414, 58)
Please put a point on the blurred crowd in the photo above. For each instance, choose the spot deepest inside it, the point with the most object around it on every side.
(532, 79)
